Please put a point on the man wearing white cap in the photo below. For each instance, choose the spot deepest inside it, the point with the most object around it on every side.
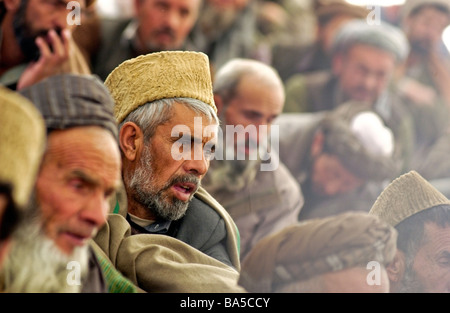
(340, 158)
(365, 59)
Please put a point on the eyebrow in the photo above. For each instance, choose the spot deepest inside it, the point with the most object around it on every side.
(92, 181)
(445, 254)
(188, 136)
(81, 174)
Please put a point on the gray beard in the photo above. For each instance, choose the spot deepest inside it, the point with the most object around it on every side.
(35, 264)
(141, 184)
(232, 175)
(214, 22)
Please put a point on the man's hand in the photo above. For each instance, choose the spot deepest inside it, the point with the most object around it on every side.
(54, 59)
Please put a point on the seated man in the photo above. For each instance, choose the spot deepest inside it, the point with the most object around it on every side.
(426, 74)
(365, 59)
(79, 172)
(157, 25)
(341, 159)
(168, 125)
(343, 253)
(247, 178)
(421, 215)
(22, 138)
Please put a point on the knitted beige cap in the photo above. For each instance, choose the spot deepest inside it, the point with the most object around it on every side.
(22, 141)
(407, 195)
(160, 75)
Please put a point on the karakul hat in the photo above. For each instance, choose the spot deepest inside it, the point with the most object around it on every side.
(160, 75)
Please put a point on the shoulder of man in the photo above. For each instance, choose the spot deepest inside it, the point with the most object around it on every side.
(233, 238)
(115, 281)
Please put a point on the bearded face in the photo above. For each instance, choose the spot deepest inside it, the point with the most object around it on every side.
(35, 263)
(158, 200)
(26, 35)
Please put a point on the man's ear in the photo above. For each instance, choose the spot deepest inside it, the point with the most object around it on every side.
(396, 269)
(130, 140)
(317, 143)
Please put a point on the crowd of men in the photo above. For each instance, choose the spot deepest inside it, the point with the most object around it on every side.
(215, 146)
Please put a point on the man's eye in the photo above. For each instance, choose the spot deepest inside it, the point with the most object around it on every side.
(209, 151)
(78, 185)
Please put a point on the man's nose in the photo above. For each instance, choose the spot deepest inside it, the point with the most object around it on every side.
(95, 210)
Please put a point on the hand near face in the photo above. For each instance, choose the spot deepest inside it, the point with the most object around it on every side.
(55, 58)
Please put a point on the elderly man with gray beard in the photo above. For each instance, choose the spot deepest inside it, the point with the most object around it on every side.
(79, 172)
(167, 134)
(248, 179)
(166, 233)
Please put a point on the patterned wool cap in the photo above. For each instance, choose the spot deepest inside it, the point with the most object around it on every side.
(406, 195)
(160, 75)
(316, 247)
(70, 100)
(22, 142)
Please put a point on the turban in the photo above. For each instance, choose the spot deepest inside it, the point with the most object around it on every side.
(70, 100)
(384, 36)
(407, 195)
(315, 247)
(22, 142)
(160, 75)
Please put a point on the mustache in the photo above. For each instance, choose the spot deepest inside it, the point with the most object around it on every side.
(183, 179)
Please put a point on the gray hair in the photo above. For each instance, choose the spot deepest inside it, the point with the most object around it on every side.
(150, 115)
(228, 76)
(383, 36)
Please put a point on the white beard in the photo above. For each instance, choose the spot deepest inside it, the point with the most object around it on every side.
(35, 264)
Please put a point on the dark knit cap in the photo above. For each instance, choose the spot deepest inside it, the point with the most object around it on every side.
(70, 100)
